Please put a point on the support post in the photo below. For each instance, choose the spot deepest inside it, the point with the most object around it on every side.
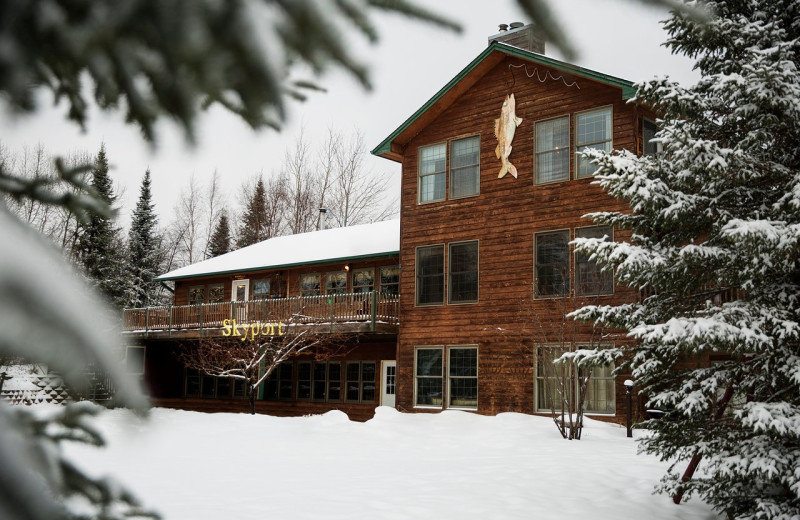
(373, 311)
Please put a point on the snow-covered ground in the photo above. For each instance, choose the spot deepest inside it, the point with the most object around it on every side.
(455, 465)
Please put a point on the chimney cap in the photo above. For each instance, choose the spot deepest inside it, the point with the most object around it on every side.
(503, 27)
(516, 25)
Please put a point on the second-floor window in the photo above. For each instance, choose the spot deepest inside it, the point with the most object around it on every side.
(363, 280)
(309, 284)
(390, 279)
(552, 263)
(464, 168)
(430, 275)
(336, 283)
(463, 271)
(589, 278)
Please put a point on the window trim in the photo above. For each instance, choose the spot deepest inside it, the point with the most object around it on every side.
(189, 294)
(416, 275)
(419, 172)
(449, 274)
(572, 348)
(568, 117)
(575, 263)
(659, 145)
(327, 279)
(417, 348)
(353, 285)
(449, 152)
(568, 292)
(375, 381)
(446, 404)
(577, 145)
(300, 283)
(380, 279)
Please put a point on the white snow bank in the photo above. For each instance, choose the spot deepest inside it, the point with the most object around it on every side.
(395, 466)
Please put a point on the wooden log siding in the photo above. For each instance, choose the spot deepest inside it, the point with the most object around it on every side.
(371, 307)
(504, 217)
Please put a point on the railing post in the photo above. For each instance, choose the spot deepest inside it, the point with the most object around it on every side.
(201, 319)
(169, 323)
(373, 310)
(146, 319)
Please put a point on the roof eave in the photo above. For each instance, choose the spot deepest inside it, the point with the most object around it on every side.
(388, 148)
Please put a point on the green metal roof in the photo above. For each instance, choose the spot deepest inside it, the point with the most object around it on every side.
(628, 90)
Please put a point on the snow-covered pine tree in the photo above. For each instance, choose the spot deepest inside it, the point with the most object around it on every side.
(143, 249)
(254, 226)
(221, 238)
(715, 251)
(101, 246)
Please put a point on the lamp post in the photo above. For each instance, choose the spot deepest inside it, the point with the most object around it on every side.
(628, 385)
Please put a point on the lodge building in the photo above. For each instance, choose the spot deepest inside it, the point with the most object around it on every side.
(457, 304)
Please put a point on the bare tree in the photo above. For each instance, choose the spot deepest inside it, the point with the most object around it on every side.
(301, 187)
(214, 203)
(251, 352)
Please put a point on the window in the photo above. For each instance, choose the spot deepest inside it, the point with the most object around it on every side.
(206, 386)
(462, 384)
(649, 130)
(593, 131)
(216, 293)
(196, 294)
(552, 150)
(390, 279)
(327, 381)
(463, 272)
(465, 167)
(279, 383)
(552, 380)
(430, 275)
(552, 263)
(428, 377)
(262, 289)
(360, 385)
(309, 284)
(304, 380)
(431, 172)
(336, 283)
(363, 280)
(134, 360)
(589, 279)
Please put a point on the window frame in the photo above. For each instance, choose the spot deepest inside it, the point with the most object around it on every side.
(361, 382)
(254, 294)
(450, 168)
(449, 274)
(567, 290)
(442, 172)
(611, 380)
(591, 144)
(128, 370)
(537, 153)
(396, 284)
(339, 290)
(417, 275)
(450, 377)
(441, 349)
(658, 146)
(310, 381)
(211, 288)
(319, 283)
(577, 286)
(358, 288)
(202, 291)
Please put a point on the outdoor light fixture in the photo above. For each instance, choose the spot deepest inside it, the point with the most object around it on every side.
(628, 385)
(346, 267)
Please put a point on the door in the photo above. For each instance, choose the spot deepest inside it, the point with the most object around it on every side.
(240, 292)
(388, 382)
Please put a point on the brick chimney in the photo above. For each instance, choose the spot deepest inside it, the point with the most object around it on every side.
(520, 35)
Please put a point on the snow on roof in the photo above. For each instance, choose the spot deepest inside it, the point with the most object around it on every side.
(347, 243)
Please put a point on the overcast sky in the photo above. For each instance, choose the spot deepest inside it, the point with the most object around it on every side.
(410, 64)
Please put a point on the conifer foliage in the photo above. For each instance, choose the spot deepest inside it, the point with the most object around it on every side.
(221, 238)
(101, 246)
(143, 248)
(255, 223)
(715, 251)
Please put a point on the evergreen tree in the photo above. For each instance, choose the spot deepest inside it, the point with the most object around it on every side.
(221, 238)
(101, 246)
(143, 250)
(255, 222)
(715, 251)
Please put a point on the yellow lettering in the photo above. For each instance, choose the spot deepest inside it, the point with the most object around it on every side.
(269, 329)
(280, 328)
(235, 329)
(227, 325)
(255, 330)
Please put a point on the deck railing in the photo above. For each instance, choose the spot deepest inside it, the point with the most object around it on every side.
(371, 307)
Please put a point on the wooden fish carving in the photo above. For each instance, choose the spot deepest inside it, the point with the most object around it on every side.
(504, 129)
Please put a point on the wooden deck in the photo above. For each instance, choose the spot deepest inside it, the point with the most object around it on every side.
(366, 312)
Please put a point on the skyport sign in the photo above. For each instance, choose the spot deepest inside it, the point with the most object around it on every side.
(252, 330)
